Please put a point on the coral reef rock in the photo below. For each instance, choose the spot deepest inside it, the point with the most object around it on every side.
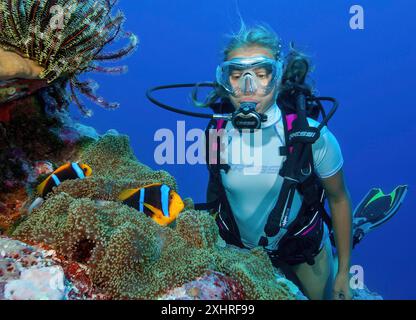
(37, 284)
(30, 272)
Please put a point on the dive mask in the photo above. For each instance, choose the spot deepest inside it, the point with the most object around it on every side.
(249, 76)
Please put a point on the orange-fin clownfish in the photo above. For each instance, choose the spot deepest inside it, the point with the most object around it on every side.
(157, 201)
(68, 171)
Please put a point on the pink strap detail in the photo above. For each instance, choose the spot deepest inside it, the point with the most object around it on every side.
(214, 146)
(289, 120)
(310, 229)
(220, 123)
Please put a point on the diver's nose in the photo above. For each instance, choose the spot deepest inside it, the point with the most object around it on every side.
(249, 87)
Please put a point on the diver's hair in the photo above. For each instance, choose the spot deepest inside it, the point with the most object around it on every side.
(260, 35)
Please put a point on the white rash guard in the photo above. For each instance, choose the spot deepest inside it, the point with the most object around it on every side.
(253, 196)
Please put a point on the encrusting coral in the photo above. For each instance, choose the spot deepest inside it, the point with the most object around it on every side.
(128, 254)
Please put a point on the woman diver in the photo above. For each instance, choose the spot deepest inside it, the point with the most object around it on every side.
(251, 73)
(278, 203)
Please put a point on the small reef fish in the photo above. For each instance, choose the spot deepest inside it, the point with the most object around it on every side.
(158, 201)
(68, 171)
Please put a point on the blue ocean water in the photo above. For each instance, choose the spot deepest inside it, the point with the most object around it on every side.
(370, 71)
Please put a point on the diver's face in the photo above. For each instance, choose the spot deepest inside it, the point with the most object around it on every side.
(263, 102)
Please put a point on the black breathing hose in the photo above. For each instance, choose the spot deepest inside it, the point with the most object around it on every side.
(176, 86)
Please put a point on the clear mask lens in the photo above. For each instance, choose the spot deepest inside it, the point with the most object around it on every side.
(249, 76)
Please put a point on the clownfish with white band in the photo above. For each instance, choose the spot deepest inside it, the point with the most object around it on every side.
(158, 201)
(69, 171)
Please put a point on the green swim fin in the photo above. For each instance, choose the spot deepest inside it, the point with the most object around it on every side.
(375, 209)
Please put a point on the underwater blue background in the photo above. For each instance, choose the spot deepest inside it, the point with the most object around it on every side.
(371, 73)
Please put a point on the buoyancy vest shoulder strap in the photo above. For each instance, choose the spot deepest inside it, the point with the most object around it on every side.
(279, 216)
(212, 157)
(213, 146)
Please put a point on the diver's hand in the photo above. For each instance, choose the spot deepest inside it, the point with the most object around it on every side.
(14, 66)
(342, 290)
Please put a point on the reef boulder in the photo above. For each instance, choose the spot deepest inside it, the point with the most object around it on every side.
(32, 272)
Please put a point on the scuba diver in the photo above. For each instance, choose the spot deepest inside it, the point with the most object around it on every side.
(282, 207)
